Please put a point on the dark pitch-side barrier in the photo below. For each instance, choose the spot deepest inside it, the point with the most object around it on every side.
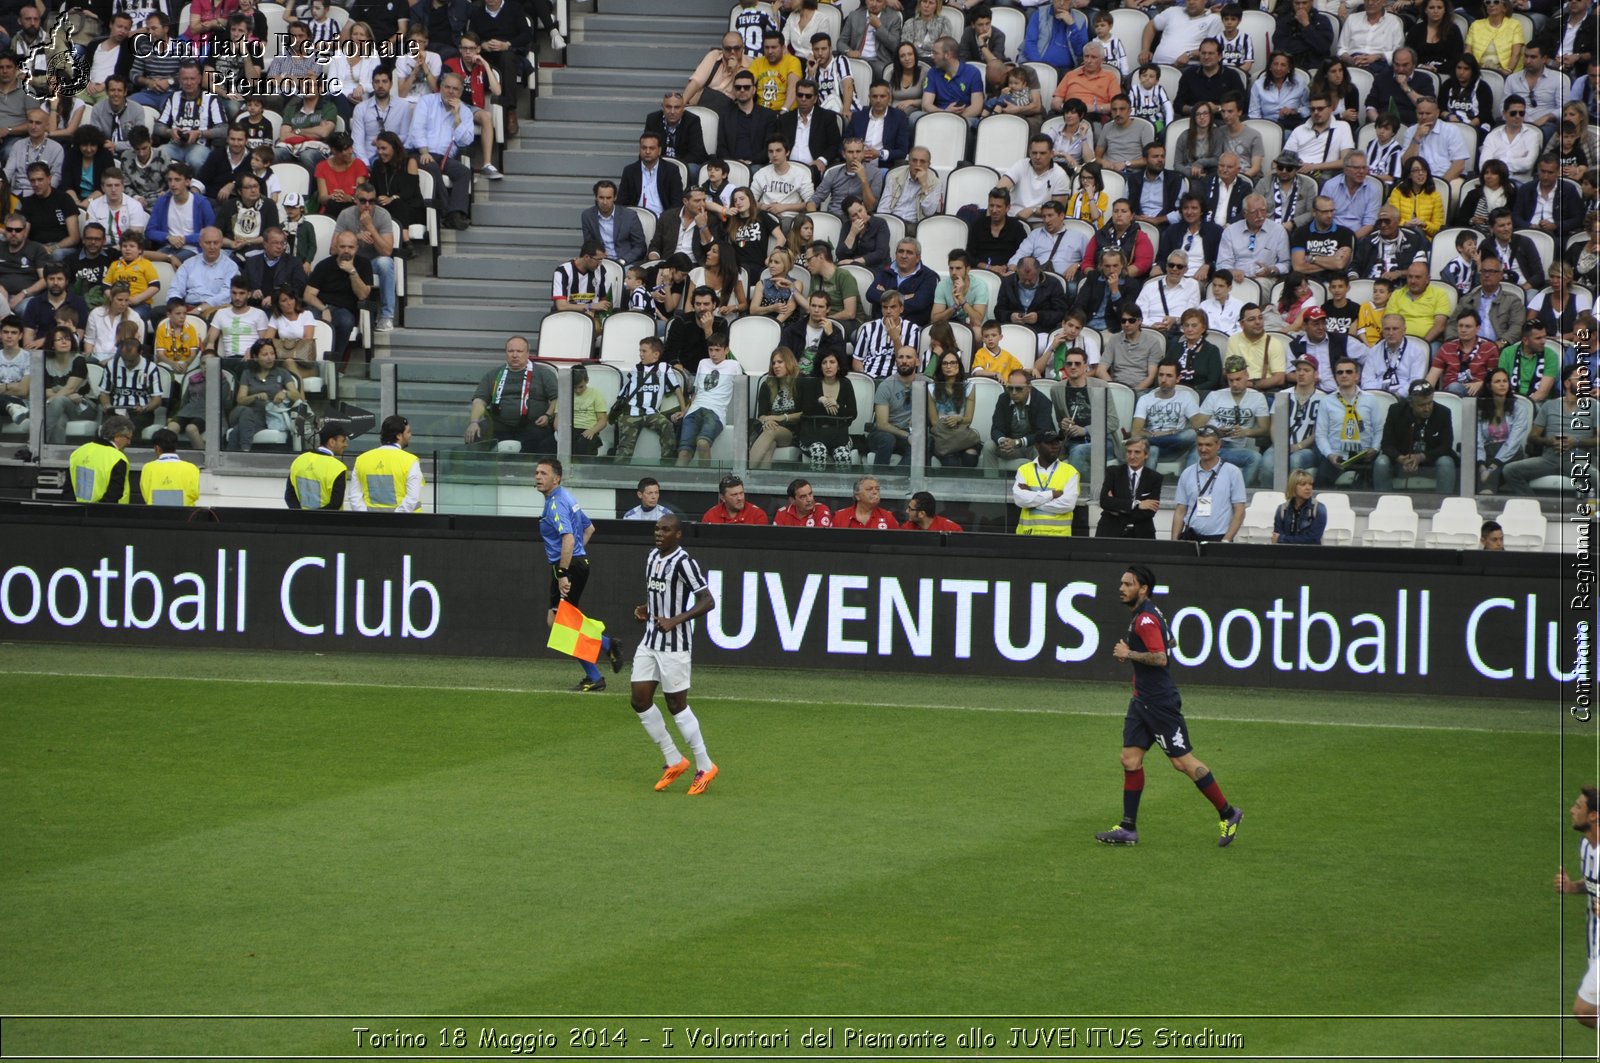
(1436, 622)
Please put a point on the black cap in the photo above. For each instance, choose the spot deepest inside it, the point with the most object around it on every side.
(1049, 436)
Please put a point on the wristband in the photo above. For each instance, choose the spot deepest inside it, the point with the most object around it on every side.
(561, 573)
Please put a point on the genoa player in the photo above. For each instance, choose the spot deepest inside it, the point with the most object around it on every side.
(1155, 714)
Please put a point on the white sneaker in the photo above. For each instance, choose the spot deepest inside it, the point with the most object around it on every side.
(386, 324)
(490, 172)
(558, 42)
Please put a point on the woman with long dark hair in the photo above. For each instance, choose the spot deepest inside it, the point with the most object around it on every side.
(1417, 198)
(826, 413)
(394, 175)
(1465, 98)
(723, 276)
(905, 76)
(951, 402)
(1436, 38)
(1503, 424)
(1495, 190)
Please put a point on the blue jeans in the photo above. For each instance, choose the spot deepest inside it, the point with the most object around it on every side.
(1246, 459)
(1444, 472)
(344, 323)
(149, 98)
(698, 424)
(1079, 456)
(1177, 445)
(194, 154)
(884, 446)
(383, 273)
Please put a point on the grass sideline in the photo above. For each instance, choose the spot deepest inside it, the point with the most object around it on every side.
(355, 840)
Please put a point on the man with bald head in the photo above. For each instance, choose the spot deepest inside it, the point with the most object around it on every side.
(203, 282)
(337, 287)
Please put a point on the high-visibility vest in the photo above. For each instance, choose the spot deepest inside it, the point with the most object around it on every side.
(170, 483)
(1038, 522)
(313, 475)
(91, 467)
(381, 474)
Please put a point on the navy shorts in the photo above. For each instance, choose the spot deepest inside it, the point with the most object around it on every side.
(1149, 725)
(578, 573)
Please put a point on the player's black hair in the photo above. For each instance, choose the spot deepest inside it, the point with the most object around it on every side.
(1591, 797)
(1144, 576)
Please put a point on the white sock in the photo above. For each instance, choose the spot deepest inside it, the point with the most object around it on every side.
(689, 728)
(656, 728)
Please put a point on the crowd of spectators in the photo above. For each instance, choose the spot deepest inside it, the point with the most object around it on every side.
(213, 188)
(1223, 283)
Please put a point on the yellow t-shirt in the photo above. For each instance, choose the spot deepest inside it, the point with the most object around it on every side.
(137, 275)
(1261, 359)
(1419, 312)
(772, 80)
(1369, 323)
(182, 348)
(1001, 365)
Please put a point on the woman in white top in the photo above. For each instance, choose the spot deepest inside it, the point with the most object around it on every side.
(100, 331)
(295, 330)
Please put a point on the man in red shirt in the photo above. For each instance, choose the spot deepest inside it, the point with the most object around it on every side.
(865, 513)
(482, 86)
(732, 508)
(803, 510)
(922, 514)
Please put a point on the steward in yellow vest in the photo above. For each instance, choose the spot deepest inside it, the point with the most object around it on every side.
(169, 480)
(1046, 489)
(98, 469)
(317, 478)
(388, 480)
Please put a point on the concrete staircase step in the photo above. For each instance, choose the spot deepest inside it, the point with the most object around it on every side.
(608, 26)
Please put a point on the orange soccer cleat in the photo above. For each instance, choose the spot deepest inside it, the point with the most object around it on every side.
(702, 779)
(670, 773)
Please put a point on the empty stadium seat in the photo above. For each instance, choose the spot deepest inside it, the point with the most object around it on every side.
(1456, 524)
(1392, 523)
(1258, 517)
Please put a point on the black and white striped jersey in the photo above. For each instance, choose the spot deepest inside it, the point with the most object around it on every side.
(673, 581)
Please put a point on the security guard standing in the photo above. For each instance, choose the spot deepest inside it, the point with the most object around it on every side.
(317, 478)
(98, 468)
(1046, 489)
(388, 480)
(169, 480)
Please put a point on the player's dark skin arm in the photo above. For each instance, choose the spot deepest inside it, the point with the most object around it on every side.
(702, 605)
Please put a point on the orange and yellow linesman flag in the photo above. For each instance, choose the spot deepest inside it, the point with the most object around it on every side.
(575, 634)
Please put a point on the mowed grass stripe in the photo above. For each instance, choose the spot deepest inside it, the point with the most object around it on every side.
(397, 852)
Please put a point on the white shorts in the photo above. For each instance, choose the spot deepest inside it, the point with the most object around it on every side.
(671, 670)
(1589, 988)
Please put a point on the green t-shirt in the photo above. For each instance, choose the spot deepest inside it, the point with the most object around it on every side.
(841, 287)
(1526, 370)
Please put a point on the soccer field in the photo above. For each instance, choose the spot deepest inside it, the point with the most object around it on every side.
(359, 838)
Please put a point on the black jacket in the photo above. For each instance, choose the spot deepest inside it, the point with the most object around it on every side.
(687, 144)
(794, 338)
(1049, 302)
(826, 142)
(669, 182)
(1118, 517)
(1041, 418)
(1401, 429)
(744, 136)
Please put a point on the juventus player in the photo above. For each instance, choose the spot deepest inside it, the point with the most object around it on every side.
(677, 596)
(1586, 821)
(1155, 714)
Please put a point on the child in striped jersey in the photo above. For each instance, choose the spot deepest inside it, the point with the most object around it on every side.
(1116, 54)
(1383, 154)
(1238, 49)
(1150, 101)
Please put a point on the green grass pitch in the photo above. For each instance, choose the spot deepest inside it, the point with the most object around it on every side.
(250, 834)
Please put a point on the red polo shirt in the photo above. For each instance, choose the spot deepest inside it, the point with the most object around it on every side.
(819, 517)
(941, 524)
(879, 518)
(718, 514)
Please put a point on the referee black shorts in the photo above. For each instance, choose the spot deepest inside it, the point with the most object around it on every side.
(578, 573)
(1162, 725)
